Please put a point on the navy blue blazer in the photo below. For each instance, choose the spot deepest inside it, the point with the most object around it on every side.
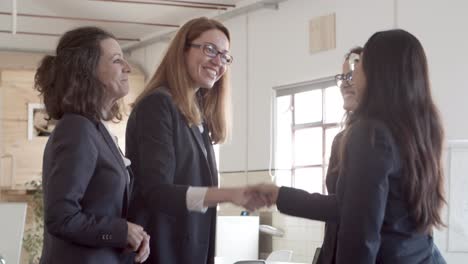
(86, 194)
(167, 156)
(374, 224)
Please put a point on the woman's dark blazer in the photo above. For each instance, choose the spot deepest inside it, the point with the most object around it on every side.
(167, 157)
(374, 224)
(86, 189)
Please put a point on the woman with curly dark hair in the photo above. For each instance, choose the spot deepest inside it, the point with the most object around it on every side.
(85, 180)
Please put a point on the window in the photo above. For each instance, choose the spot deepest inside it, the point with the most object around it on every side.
(308, 117)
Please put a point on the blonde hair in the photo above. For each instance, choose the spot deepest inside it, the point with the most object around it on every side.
(213, 105)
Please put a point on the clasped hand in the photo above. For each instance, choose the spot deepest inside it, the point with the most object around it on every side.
(138, 241)
(256, 196)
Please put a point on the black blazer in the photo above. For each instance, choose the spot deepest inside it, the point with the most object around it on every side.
(374, 222)
(167, 157)
(85, 187)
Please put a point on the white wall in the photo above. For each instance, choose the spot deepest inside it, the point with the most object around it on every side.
(270, 48)
(149, 57)
(235, 157)
(274, 51)
(440, 26)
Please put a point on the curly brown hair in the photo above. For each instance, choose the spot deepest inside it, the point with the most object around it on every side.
(68, 81)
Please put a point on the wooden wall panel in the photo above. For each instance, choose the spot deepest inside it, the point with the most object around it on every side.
(16, 91)
(322, 33)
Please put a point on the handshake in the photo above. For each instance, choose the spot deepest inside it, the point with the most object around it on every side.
(255, 196)
(250, 197)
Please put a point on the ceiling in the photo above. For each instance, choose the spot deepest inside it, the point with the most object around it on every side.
(39, 23)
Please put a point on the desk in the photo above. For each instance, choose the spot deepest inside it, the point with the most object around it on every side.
(275, 262)
(221, 261)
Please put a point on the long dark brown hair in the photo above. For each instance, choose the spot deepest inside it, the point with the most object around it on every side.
(398, 94)
(68, 81)
(172, 73)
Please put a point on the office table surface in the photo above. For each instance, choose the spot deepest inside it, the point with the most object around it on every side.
(220, 261)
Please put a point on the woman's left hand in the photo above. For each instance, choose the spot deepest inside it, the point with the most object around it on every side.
(144, 250)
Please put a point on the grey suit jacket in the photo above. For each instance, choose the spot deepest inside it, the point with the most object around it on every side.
(86, 190)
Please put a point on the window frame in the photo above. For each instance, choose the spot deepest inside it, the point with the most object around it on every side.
(291, 90)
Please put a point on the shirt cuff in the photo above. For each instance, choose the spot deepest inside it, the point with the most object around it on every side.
(196, 198)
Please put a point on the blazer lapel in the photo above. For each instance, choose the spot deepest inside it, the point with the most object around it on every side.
(129, 178)
(128, 193)
(211, 156)
(127, 171)
(201, 146)
(198, 138)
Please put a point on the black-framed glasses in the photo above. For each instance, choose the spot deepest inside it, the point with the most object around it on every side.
(340, 78)
(211, 51)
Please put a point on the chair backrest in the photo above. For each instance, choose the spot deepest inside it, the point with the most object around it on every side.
(316, 255)
(280, 255)
(250, 262)
(12, 219)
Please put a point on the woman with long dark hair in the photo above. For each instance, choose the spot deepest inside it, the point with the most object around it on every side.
(389, 192)
(392, 190)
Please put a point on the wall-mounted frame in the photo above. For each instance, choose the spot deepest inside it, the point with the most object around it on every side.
(38, 125)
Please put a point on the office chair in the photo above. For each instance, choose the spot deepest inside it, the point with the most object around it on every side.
(250, 262)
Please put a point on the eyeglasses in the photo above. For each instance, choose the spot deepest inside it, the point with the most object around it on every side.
(340, 78)
(211, 51)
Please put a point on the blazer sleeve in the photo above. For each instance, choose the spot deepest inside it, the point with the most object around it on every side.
(313, 206)
(155, 119)
(75, 157)
(368, 162)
